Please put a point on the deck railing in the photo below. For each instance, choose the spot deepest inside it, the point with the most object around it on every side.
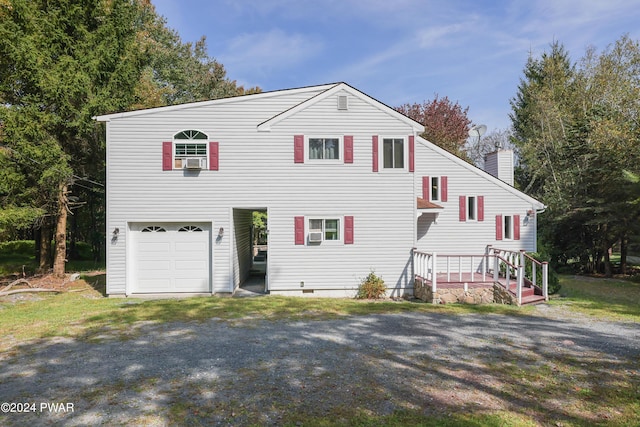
(424, 268)
(530, 268)
(495, 263)
(461, 268)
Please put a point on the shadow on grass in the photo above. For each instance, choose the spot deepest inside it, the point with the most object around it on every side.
(431, 368)
(97, 281)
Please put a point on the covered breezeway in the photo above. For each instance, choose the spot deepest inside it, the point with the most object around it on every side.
(250, 251)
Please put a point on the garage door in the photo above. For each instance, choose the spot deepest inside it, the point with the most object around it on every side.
(171, 257)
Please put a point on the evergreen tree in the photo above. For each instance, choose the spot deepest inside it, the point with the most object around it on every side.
(576, 129)
(61, 63)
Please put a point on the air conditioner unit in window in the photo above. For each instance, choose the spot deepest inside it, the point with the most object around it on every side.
(193, 163)
(315, 236)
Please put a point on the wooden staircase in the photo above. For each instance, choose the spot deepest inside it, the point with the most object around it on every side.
(530, 294)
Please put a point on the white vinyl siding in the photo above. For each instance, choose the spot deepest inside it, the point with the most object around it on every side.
(442, 231)
(256, 170)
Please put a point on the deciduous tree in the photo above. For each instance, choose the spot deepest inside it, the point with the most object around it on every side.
(445, 123)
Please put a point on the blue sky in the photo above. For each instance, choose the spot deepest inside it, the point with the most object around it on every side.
(399, 51)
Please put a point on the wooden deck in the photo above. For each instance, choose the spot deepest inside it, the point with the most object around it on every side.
(467, 275)
(479, 281)
(456, 280)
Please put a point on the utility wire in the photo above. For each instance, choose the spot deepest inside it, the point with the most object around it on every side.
(40, 163)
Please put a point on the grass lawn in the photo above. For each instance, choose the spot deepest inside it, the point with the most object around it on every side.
(88, 316)
(610, 299)
(85, 314)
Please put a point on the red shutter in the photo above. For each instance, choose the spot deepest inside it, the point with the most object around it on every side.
(298, 149)
(167, 156)
(516, 227)
(374, 147)
(348, 230)
(412, 147)
(348, 149)
(444, 189)
(213, 156)
(480, 208)
(462, 214)
(299, 230)
(426, 188)
(498, 227)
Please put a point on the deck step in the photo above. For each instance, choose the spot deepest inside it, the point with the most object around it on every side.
(526, 292)
(532, 299)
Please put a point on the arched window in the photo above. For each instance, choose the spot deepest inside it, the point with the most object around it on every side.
(190, 134)
(153, 229)
(190, 150)
(190, 228)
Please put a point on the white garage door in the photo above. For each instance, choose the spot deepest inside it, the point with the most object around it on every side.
(171, 257)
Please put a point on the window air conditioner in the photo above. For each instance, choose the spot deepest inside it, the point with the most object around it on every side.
(315, 236)
(193, 163)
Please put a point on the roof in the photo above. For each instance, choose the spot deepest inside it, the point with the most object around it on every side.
(486, 175)
(109, 117)
(317, 93)
(425, 204)
(266, 125)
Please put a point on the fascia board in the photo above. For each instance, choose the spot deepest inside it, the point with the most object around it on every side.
(266, 125)
(484, 174)
(221, 101)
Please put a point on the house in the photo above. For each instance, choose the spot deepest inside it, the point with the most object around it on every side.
(347, 183)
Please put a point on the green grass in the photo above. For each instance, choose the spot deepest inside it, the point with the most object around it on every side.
(87, 314)
(528, 381)
(78, 314)
(19, 255)
(603, 298)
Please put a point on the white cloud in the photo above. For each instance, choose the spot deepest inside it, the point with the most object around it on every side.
(271, 51)
(435, 36)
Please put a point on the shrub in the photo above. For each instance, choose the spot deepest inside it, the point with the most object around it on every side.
(18, 247)
(371, 287)
(553, 280)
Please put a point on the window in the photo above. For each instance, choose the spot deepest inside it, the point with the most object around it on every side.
(324, 148)
(190, 134)
(435, 188)
(190, 229)
(508, 227)
(393, 153)
(472, 211)
(330, 228)
(186, 147)
(153, 229)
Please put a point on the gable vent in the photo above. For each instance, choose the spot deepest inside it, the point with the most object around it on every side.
(342, 102)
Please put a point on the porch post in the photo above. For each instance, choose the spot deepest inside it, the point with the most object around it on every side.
(545, 280)
(434, 273)
(520, 280)
(413, 263)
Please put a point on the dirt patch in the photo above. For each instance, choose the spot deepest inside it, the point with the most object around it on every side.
(92, 283)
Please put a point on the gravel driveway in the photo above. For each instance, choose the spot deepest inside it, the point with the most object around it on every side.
(257, 371)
